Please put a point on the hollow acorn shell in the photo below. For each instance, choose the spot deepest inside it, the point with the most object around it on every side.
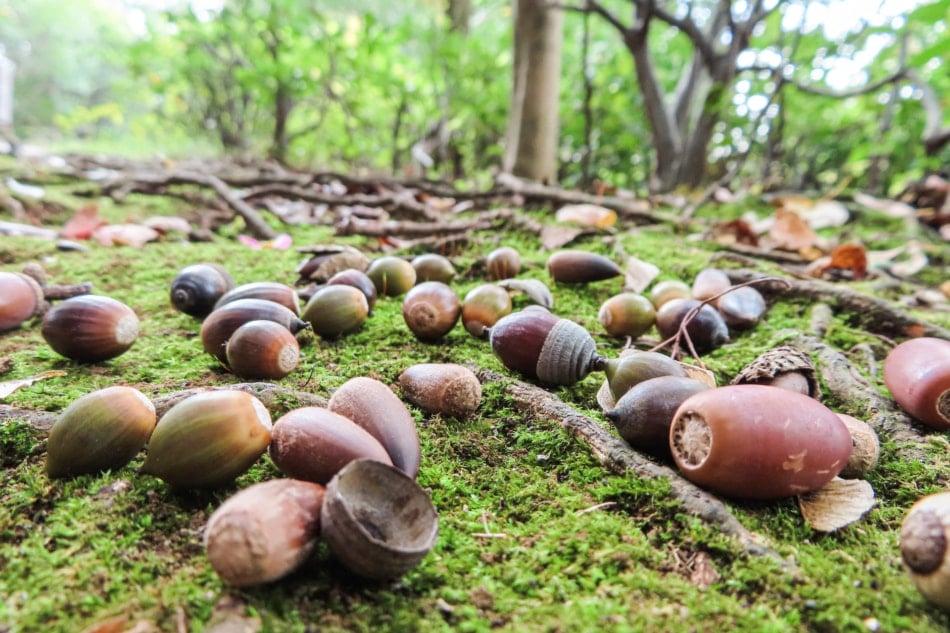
(373, 406)
(442, 388)
(196, 288)
(208, 439)
(758, 442)
(90, 328)
(392, 276)
(262, 350)
(218, 327)
(268, 290)
(335, 310)
(579, 267)
(917, 373)
(924, 538)
(313, 443)
(377, 520)
(20, 299)
(101, 430)
(264, 532)
(482, 307)
(431, 309)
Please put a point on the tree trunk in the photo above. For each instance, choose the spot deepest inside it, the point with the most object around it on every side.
(460, 13)
(532, 138)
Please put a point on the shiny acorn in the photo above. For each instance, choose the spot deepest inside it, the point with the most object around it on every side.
(335, 310)
(627, 314)
(742, 307)
(262, 533)
(442, 388)
(706, 328)
(710, 282)
(377, 520)
(373, 406)
(482, 307)
(433, 267)
(359, 280)
(101, 430)
(924, 539)
(393, 276)
(218, 327)
(503, 263)
(538, 344)
(313, 443)
(917, 373)
(262, 350)
(268, 290)
(431, 309)
(667, 290)
(90, 328)
(581, 267)
(208, 439)
(196, 288)
(636, 366)
(758, 442)
(21, 298)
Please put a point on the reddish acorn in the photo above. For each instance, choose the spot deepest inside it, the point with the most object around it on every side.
(917, 373)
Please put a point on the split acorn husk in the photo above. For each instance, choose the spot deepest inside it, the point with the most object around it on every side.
(917, 373)
(442, 388)
(924, 539)
(327, 260)
(101, 430)
(208, 439)
(196, 288)
(221, 324)
(313, 443)
(21, 298)
(90, 328)
(581, 267)
(482, 307)
(268, 290)
(262, 350)
(433, 267)
(264, 532)
(503, 263)
(627, 314)
(431, 309)
(393, 276)
(377, 520)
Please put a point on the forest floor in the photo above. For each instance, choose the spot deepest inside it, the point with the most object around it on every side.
(547, 521)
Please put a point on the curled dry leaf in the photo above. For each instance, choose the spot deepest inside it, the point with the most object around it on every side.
(9, 386)
(638, 274)
(839, 503)
(590, 215)
(83, 223)
(534, 289)
(790, 232)
(554, 237)
(845, 257)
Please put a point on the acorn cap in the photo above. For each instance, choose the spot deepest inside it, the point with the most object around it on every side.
(775, 365)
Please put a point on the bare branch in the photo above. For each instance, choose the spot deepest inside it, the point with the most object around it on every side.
(854, 92)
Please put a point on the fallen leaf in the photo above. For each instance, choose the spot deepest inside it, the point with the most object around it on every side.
(840, 503)
(892, 208)
(280, 243)
(83, 223)
(851, 257)
(167, 224)
(590, 215)
(114, 624)
(554, 237)
(793, 202)
(790, 232)
(639, 274)
(134, 235)
(735, 232)
(9, 386)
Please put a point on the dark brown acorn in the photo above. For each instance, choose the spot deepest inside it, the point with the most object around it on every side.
(262, 350)
(666, 290)
(392, 276)
(359, 280)
(327, 260)
(482, 307)
(313, 443)
(503, 263)
(442, 388)
(197, 288)
(742, 307)
(433, 267)
(636, 366)
(21, 298)
(710, 282)
(335, 310)
(90, 328)
(431, 309)
(270, 290)
(917, 373)
(706, 328)
(581, 267)
(627, 314)
(218, 327)
(540, 345)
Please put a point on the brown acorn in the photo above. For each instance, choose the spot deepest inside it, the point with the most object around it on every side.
(540, 345)
(21, 298)
(197, 288)
(710, 282)
(262, 350)
(373, 406)
(742, 307)
(758, 442)
(327, 260)
(917, 373)
(431, 309)
(90, 328)
(503, 263)
(866, 448)
(482, 307)
(264, 532)
(442, 388)
(433, 267)
(627, 314)
(706, 328)
(581, 267)
(924, 539)
(667, 290)
(269, 290)
(392, 276)
(636, 366)
(783, 366)
(335, 310)
(218, 327)
(313, 443)
(359, 280)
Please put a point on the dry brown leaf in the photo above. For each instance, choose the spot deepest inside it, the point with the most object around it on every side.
(852, 257)
(167, 224)
(639, 274)
(9, 386)
(605, 397)
(698, 373)
(83, 223)
(790, 232)
(589, 215)
(841, 502)
(735, 232)
(554, 237)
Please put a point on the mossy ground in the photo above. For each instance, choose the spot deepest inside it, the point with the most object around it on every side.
(523, 545)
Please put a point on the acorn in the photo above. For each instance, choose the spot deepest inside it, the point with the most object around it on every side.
(433, 267)
(667, 290)
(710, 282)
(442, 388)
(373, 406)
(627, 314)
(269, 290)
(742, 307)
(207, 440)
(313, 443)
(482, 307)
(758, 442)
(917, 373)
(90, 328)
(101, 430)
(262, 350)
(643, 415)
(264, 532)
(503, 263)
(925, 533)
(335, 310)
(21, 298)
(392, 276)
(866, 448)
(196, 288)
(636, 366)
(359, 280)
(377, 520)
(706, 328)
(783, 366)
(218, 327)
(431, 309)
(537, 344)
(327, 260)
(581, 267)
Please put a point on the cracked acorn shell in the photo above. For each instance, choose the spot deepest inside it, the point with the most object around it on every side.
(268, 290)
(503, 263)
(431, 309)
(925, 534)
(377, 520)
(221, 324)
(758, 442)
(262, 350)
(917, 373)
(313, 443)
(784, 366)
(581, 267)
(335, 310)
(90, 328)
(101, 430)
(196, 288)
(21, 298)
(482, 307)
(373, 406)
(208, 439)
(264, 532)
(442, 388)
(392, 276)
